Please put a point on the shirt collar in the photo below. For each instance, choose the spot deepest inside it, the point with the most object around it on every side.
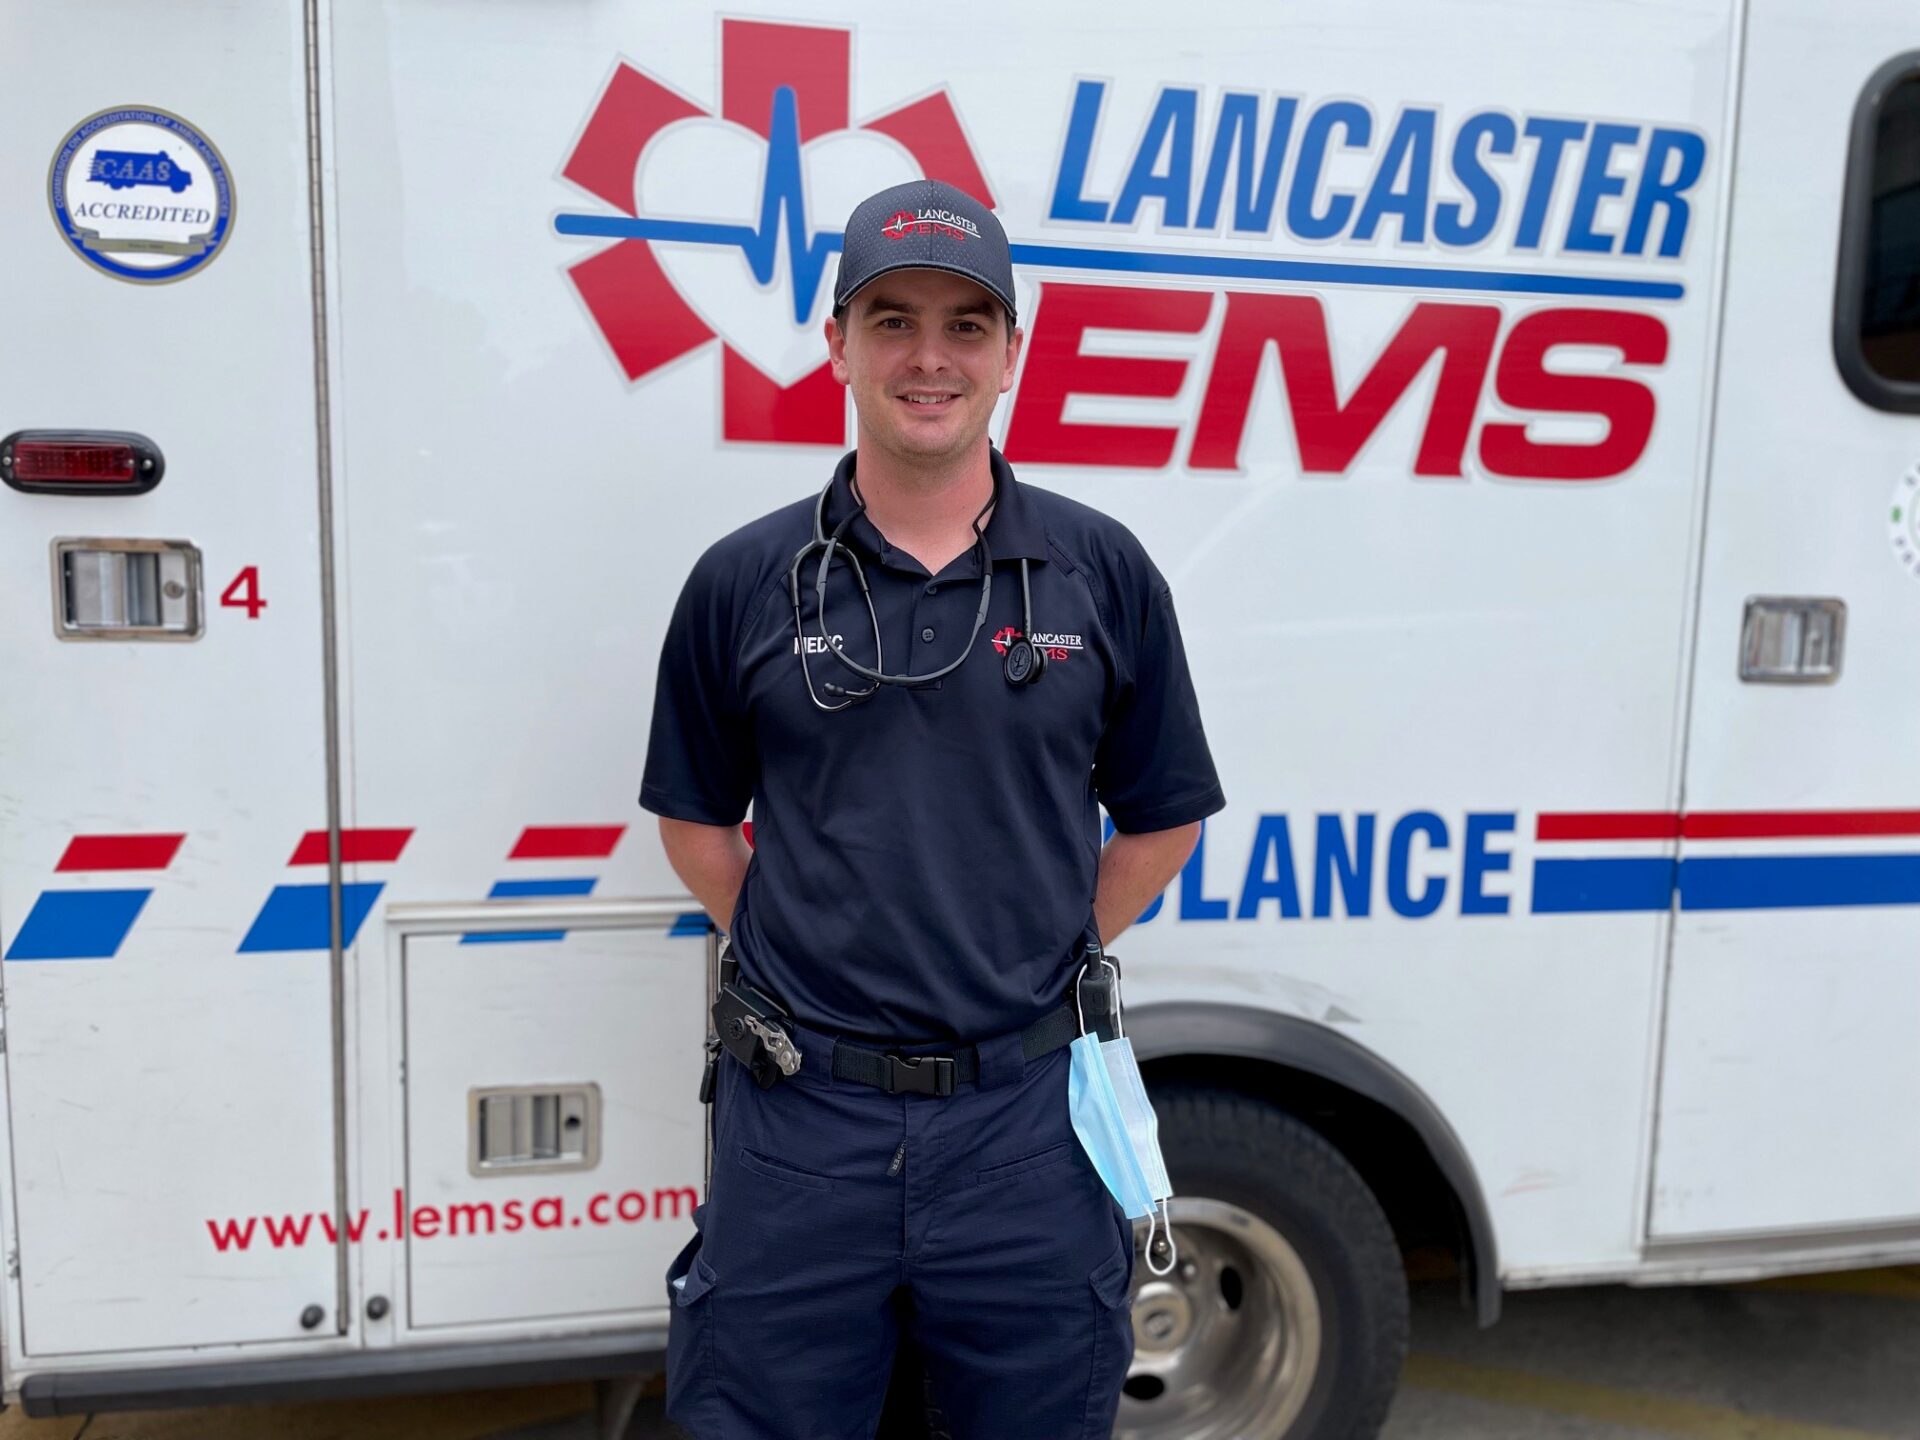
(1014, 531)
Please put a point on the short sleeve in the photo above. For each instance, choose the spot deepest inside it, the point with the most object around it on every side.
(700, 755)
(1153, 770)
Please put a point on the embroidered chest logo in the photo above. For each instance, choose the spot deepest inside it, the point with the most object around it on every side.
(1058, 646)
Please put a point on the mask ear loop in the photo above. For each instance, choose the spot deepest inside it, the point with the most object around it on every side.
(1165, 1227)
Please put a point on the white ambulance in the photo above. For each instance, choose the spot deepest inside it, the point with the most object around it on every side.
(1521, 400)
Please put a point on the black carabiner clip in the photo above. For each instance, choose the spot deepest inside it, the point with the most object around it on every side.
(1097, 994)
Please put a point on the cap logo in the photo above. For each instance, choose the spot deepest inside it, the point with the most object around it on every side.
(928, 221)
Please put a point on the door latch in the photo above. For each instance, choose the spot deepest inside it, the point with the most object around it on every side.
(1792, 640)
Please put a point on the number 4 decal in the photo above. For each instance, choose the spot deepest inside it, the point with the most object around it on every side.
(244, 593)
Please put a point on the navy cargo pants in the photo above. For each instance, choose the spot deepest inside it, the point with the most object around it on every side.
(832, 1200)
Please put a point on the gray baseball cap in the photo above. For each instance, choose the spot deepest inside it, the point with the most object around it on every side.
(924, 225)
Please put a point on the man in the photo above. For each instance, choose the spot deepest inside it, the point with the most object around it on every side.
(925, 876)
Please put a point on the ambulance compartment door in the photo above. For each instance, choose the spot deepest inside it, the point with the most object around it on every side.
(520, 517)
(163, 899)
(1790, 1062)
(555, 1142)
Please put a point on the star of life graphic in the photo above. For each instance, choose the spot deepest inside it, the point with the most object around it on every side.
(716, 216)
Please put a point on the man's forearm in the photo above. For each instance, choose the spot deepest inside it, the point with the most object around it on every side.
(1134, 869)
(711, 861)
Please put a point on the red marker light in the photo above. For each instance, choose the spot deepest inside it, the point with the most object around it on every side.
(80, 462)
(40, 461)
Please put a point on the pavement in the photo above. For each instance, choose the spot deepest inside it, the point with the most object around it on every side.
(1820, 1357)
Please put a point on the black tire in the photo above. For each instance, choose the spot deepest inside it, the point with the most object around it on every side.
(1226, 1147)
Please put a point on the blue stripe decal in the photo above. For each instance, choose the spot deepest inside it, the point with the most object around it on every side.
(1160, 262)
(1562, 887)
(1399, 277)
(1724, 882)
(512, 889)
(77, 924)
(693, 922)
(516, 889)
(1779, 882)
(295, 916)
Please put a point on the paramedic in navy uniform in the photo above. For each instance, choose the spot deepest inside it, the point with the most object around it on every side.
(926, 869)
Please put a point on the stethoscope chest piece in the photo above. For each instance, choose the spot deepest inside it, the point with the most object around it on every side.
(1025, 662)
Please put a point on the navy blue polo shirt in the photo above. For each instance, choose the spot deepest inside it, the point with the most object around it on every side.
(924, 862)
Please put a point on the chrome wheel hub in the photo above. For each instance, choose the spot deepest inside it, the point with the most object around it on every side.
(1226, 1347)
(1162, 1318)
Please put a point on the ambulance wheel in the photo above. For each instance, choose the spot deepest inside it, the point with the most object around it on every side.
(1286, 1315)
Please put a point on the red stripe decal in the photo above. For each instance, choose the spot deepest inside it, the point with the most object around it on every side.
(567, 842)
(1797, 824)
(120, 852)
(1612, 825)
(356, 847)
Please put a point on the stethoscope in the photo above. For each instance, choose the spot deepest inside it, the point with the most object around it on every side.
(1023, 664)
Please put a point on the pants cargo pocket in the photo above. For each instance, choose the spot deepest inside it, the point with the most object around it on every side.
(1112, 1305)
(693, 1385)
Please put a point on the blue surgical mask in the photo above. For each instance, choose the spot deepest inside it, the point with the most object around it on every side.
(1111, 1114)
(1097, 1120)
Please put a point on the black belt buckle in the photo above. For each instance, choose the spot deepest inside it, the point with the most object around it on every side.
(920, 1075)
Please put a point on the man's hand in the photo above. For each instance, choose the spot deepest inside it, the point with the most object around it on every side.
(711, 861)
(1134, 869)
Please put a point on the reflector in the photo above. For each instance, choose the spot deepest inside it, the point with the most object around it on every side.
(80, 462)
(69, 462)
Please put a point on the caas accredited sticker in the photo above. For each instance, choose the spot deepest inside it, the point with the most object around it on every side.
(141, 195)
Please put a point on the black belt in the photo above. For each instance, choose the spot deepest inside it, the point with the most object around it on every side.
(938, 1074)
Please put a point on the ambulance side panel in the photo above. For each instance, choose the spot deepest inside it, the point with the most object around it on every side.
(169, 1056)
(1790, 1062)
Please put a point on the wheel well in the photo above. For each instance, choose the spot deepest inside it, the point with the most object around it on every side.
(1429, 1222)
